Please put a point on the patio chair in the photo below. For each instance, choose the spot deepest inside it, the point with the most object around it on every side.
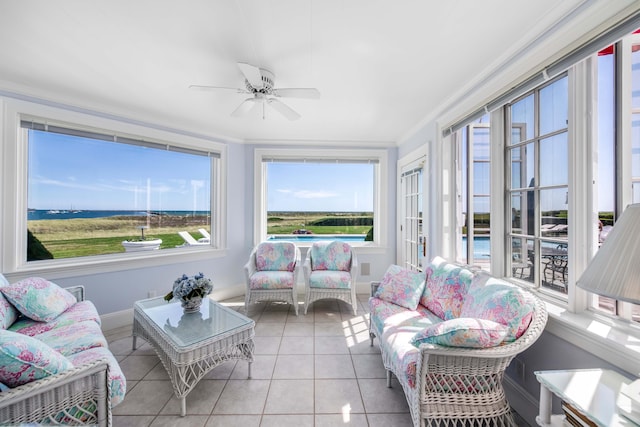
(205, 234)
(189, 240)
(272, 274)
(330, 269)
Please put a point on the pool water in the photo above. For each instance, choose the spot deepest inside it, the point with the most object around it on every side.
(481, 247)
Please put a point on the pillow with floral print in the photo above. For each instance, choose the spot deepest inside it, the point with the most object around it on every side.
(330, 255)
(276, 256)
(463, 332)
(24, 359)
(401, 286)
(38, 298)
(8, 313)
(501, 302)
(446, 288)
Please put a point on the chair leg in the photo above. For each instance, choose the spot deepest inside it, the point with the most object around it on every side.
(246, 304)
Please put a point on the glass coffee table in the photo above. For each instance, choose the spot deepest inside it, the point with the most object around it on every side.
(190, 345)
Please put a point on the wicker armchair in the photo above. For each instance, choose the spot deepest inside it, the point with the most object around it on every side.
(330, 273)
(272, 274)
(462, 386)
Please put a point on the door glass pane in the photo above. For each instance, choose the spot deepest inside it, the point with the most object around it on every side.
(553, 210)
(522, 120)
(516, 213)
(554, 107)
(522, 166)
(554, 258)
(522, 257)
(554, 160)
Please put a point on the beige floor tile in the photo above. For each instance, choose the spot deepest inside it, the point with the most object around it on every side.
(234, 421)
(242, 397)
(378, 398)
(261, 368)
(334, 366)
(269, 329)
(273, 317)
(333, 420)
(297, 345)
(223, 371)
(368, 366)
(122, 346)
(132, 420)
(294, 367)
(157, 373)
(287, 421)
(136, 367)
(200, 401)
(178, 421)
(290, 397)
(338, 397)
(331, 345)
(146, 398)
(266, 345)
(298, 330)
(329, 329)
(390, 420)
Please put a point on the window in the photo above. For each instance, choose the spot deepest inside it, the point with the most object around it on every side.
(475, 193)
(618, 86)
(310, 192)
(92, 193)
(70, 168)
(537, 184)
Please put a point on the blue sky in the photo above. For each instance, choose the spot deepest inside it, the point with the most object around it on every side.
(328, 187)
(67, 172)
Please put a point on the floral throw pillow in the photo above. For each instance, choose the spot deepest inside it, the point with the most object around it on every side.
(24, 359)
(501, 302)
(446, 288)
(276, 256)
(462, 332)
(334, 255)
(401, 286)
(38, 298)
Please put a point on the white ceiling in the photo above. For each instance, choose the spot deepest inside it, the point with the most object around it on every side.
(381, 66)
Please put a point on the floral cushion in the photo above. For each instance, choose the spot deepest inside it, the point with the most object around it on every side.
(329, 279)
(401, 286)
(462, 332)
(116, 378)
(500, 302)
(271, 280)
(330, 255)
(79, 312)
(446, 288)
(38, 298)
(8, 313)
(74, 338)
(276, 256)
(24, 359)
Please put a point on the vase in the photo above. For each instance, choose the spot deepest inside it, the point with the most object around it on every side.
(191, 305)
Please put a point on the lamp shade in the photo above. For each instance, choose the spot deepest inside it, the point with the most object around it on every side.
(614, 271)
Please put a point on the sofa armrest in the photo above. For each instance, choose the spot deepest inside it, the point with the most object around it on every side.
(76, 396)
(77, 291)
(374, 287)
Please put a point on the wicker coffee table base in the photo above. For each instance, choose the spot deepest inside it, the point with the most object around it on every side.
(187, 366)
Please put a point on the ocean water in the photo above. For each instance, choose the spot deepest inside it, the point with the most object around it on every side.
(38, 214)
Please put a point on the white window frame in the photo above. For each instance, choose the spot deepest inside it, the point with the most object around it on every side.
(381, 196)
(13, 218)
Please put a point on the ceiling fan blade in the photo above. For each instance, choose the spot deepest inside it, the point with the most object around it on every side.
(283, 109)
(204, 87)
(246, 106)
(252, 74)
(306, 93)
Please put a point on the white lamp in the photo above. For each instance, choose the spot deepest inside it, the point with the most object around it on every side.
(614, 272)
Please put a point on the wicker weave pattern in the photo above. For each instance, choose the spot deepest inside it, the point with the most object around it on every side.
(187, 365)
(460, 386)
(313, 294)
(254, 295)
(78, 396)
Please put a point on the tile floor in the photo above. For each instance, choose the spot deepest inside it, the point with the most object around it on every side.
(314, 370)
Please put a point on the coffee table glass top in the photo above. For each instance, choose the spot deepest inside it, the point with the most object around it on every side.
(212, 320)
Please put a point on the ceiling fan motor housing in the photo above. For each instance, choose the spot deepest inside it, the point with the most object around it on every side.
(267, 83)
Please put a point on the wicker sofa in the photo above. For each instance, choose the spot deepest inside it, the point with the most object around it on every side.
(55, 366)
(448, 335)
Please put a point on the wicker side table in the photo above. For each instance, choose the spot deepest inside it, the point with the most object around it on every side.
(190, 345)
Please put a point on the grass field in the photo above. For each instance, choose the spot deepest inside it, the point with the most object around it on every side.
(68, 238)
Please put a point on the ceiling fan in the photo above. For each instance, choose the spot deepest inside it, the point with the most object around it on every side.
(259, 83)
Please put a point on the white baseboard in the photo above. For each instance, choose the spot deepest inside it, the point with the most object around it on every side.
(521, 400)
